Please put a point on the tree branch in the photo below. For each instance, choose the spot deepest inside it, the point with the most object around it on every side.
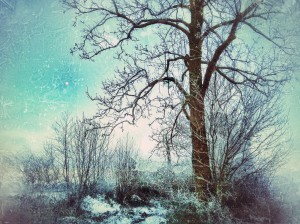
(212, 64)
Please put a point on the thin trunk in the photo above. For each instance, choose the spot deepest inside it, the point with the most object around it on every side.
(66, 155)
(200, 154)
(168, 151)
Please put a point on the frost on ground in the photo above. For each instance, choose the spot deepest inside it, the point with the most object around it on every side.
(98, 206)
(111, 212)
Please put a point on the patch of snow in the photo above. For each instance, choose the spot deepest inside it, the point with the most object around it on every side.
(144, 210)
(159, 210)
(114, 213)
(154, 220)
(98, 206)
(148, 215)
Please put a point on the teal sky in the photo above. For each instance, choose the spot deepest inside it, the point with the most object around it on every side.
(39, 78)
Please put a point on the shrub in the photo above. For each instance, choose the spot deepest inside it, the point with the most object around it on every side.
(185, 207)
(39, 170)
(125, 171)
(253, 201)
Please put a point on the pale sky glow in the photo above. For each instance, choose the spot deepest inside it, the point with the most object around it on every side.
(40, 79)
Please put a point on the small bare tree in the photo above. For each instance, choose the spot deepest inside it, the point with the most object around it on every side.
(173, 143)
(245, 130)
(78, 154)
(39, 170)
(90, 155)
(125, 169)
(192, 42)
(62, 143)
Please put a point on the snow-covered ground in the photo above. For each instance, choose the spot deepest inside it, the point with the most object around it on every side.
(108, 211)
(98, 206)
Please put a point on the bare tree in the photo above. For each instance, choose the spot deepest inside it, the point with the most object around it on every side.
(191, 42)
(39, 170)
(125, 169)
(77, 154)
(244, 132)
(62, 142)
(90, 155)
(173, 143)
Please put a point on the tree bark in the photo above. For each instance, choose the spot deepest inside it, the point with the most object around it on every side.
(200, 155)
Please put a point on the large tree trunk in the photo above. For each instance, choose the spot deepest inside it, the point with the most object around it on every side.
(200, 154)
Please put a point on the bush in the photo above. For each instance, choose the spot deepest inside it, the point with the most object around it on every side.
(185, 207)
(250, 201)
(39, 170)
(125, 171)
(253, 201)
